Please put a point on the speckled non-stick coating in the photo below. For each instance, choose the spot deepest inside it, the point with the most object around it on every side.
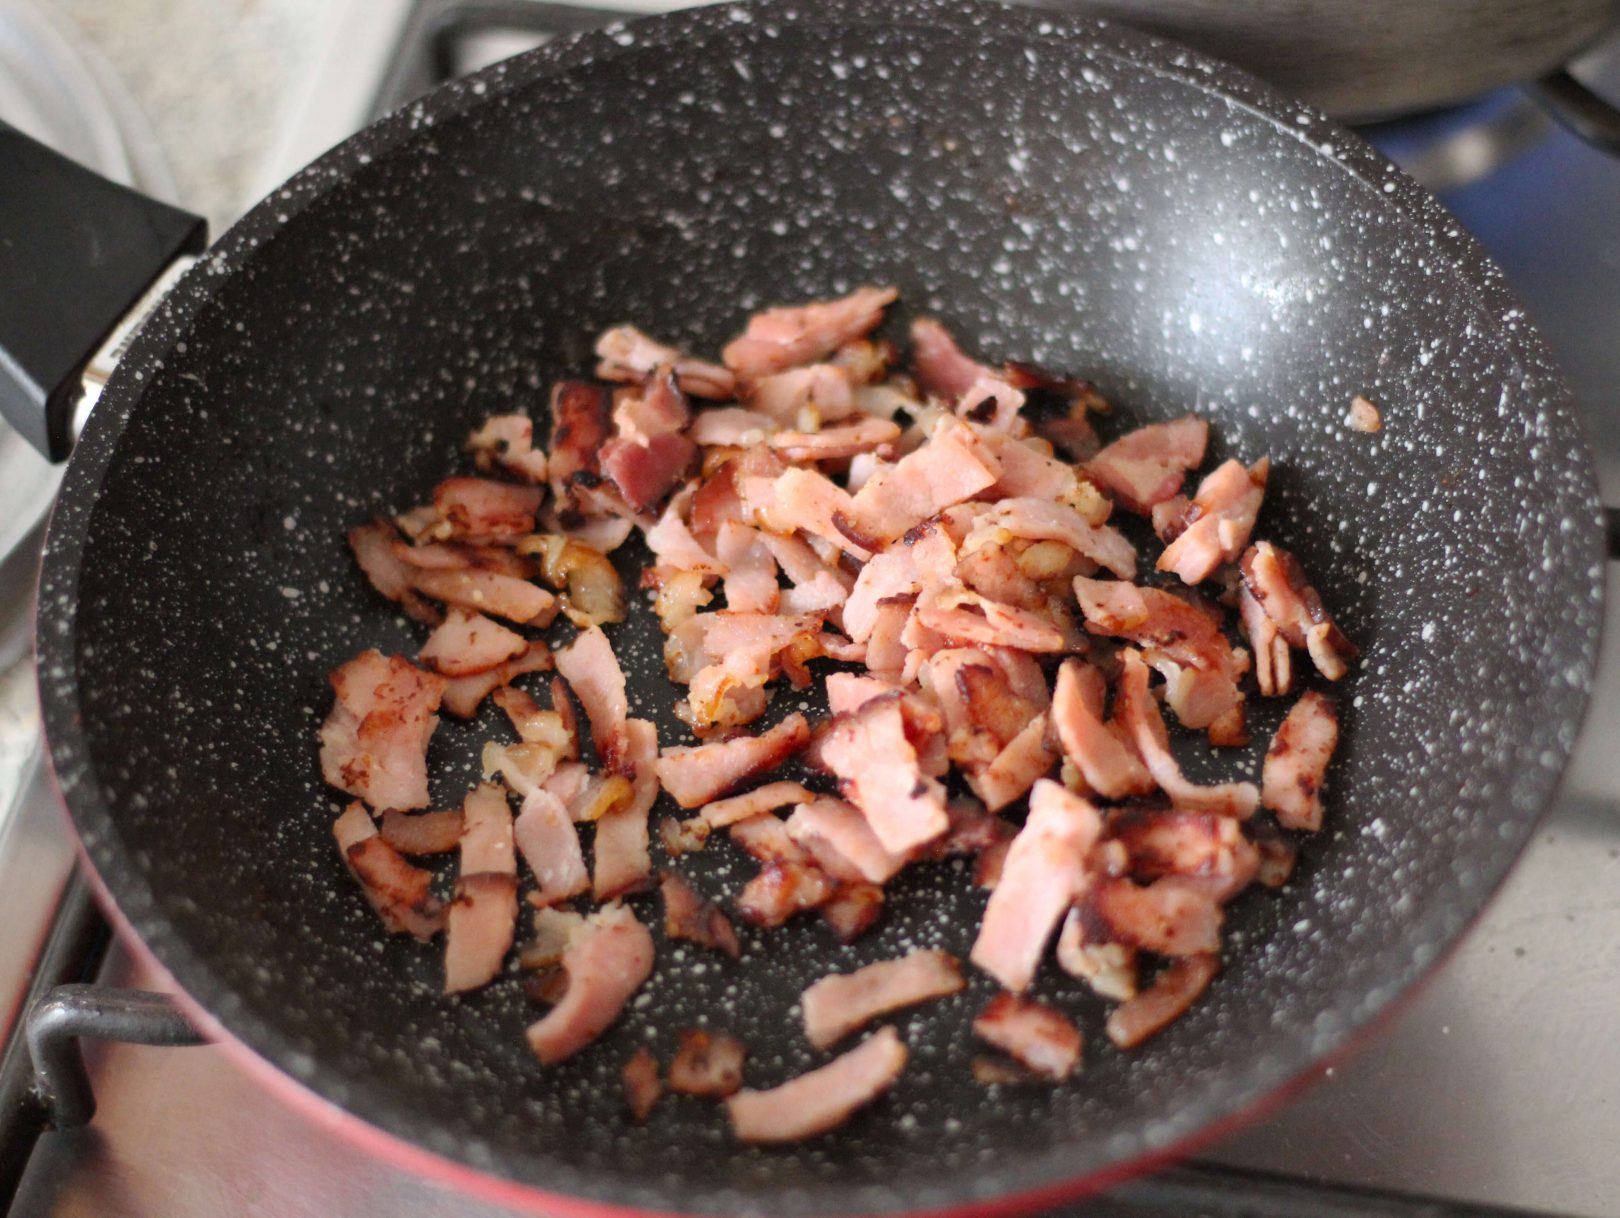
(1058, 191)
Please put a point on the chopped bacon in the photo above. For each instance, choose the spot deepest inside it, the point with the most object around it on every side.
(878, 770)
(750, 580)
(766, 839)
(927, 555)
(839, 839)
(581, 422)
(719, 813)
(1140, 715)
(400, 894)
(374, 741)
(478, 509)
(697, 775)
(659, 408)
(680, 837)
(1041, 1037)
(841, 440)
(1216, 525)
(781, 890)
(783, 338)
(608, 958)
(1198, 844)
(423, 833)
(823, 1099)
(1110, 766)
(731, 427)
(373, 546)
(1364, 416)
(942, 368)
(645, 471)
(805, 397)
(1109, 968)
(1045, 870)
(1039, 519)
(842, 1003)
(689, 916)
(965, 616)
(507, 440)
(1010, 774)
(1148, 465)
(628, 356)
(623, 860)
(801, 498)
(1277, 856)
(993, 404)
(550, 845)
(1275, 579)
(462, 695)
(506, 596)
(1028, 470)
(852, 911)
(707, 1064)
(642, 1086)
(556, 729)
(467, 643)
(483, 916)
(461, 556)
(1173, 916)
(1273, 659)
(953, 466)
(1163, 1002)
(1296, 763)
(593, 674)
(848, 691)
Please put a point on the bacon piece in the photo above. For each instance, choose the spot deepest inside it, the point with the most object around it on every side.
(1217, 524)
(1038, 520)
(1040, 1037)
(1277, 856)
(1199, 844)
(628, 356)
(645, 471)
(400, 894)
(462, 695)
(964, 616)
(1148, 465)
(837, 442)
(1140, 715)
(848, 691)
(1110, 766)
(731, 427)
(887, 648)
(838, 837)
(1275, 578)
(783, 338)
(622, 859)
(424, 833)
(878, 771)
(823, 1099)
(1012, 772)
(593, 673)
(642, 1086)
(687, 915)
(659, 408)
(1273, 659)
(953, 466)
(556, 729)
(750, 580)
(1173, 916)
(468, 643)
(697, 775)
(852, 911)
(842, 1003)
(1363, 416)
(927, 555)
(374, 741)
(461, 556)
(781, 890)
(676, 549)
(483, 916)
(478, 509)
(506, 596)
(581, 422)
(550, 845)
(1109, 968)
(1166, 1000)
(507, 440)
(1027, 470)
(804, 499)
(767, 840)
(805, 397)
(680, 837)
(608, 958)
(1044, 872)
(719, 813)
(1296, 763)
(709, 1065)
(994, 404)
(373, 546)
(942, 368)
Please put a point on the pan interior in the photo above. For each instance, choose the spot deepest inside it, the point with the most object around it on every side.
(1059, 200)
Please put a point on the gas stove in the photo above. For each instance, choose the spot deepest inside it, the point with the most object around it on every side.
(1493, 1091)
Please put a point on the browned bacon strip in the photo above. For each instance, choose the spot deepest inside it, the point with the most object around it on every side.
(581, 422)
(1162, 1003)
(1140, 715)
(1110, 766)
(842, 1003)
(593, 673)
(507, 440)
(374, 741)
(942, 368)
(1173, 916)
(607, 959)
(688, 915)
(852, 911)
(550, 845)
(629, 356)
(401, 894)
(467, 643)
(1296, 764)
(423, 833)
(823, 1099)
(697, 775)
(480, 510)
(1216, 525)
(786, 337)
(707, 1064)
(373, 546)
(483, 916)
(1275, 579)
(1147, 466)
(781, 890)
(623, 860)
(462, 695)
(506, 596)
(1109, 968)
(878, 771)
(1198, 844)
(773, 795)
(839, 839)
(953, 466)
(1041, 1037)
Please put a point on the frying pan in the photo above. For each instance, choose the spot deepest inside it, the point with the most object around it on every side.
(1058, 190)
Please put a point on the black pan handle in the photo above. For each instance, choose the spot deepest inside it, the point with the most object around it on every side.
(1579, 110)
(77, 252)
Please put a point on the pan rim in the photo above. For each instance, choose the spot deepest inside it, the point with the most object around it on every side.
(1048, 1177)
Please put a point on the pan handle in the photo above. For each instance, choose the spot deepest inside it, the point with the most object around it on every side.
(1579, 110)
(77, 253)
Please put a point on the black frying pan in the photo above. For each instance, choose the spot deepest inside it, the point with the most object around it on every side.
(1059, 191)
